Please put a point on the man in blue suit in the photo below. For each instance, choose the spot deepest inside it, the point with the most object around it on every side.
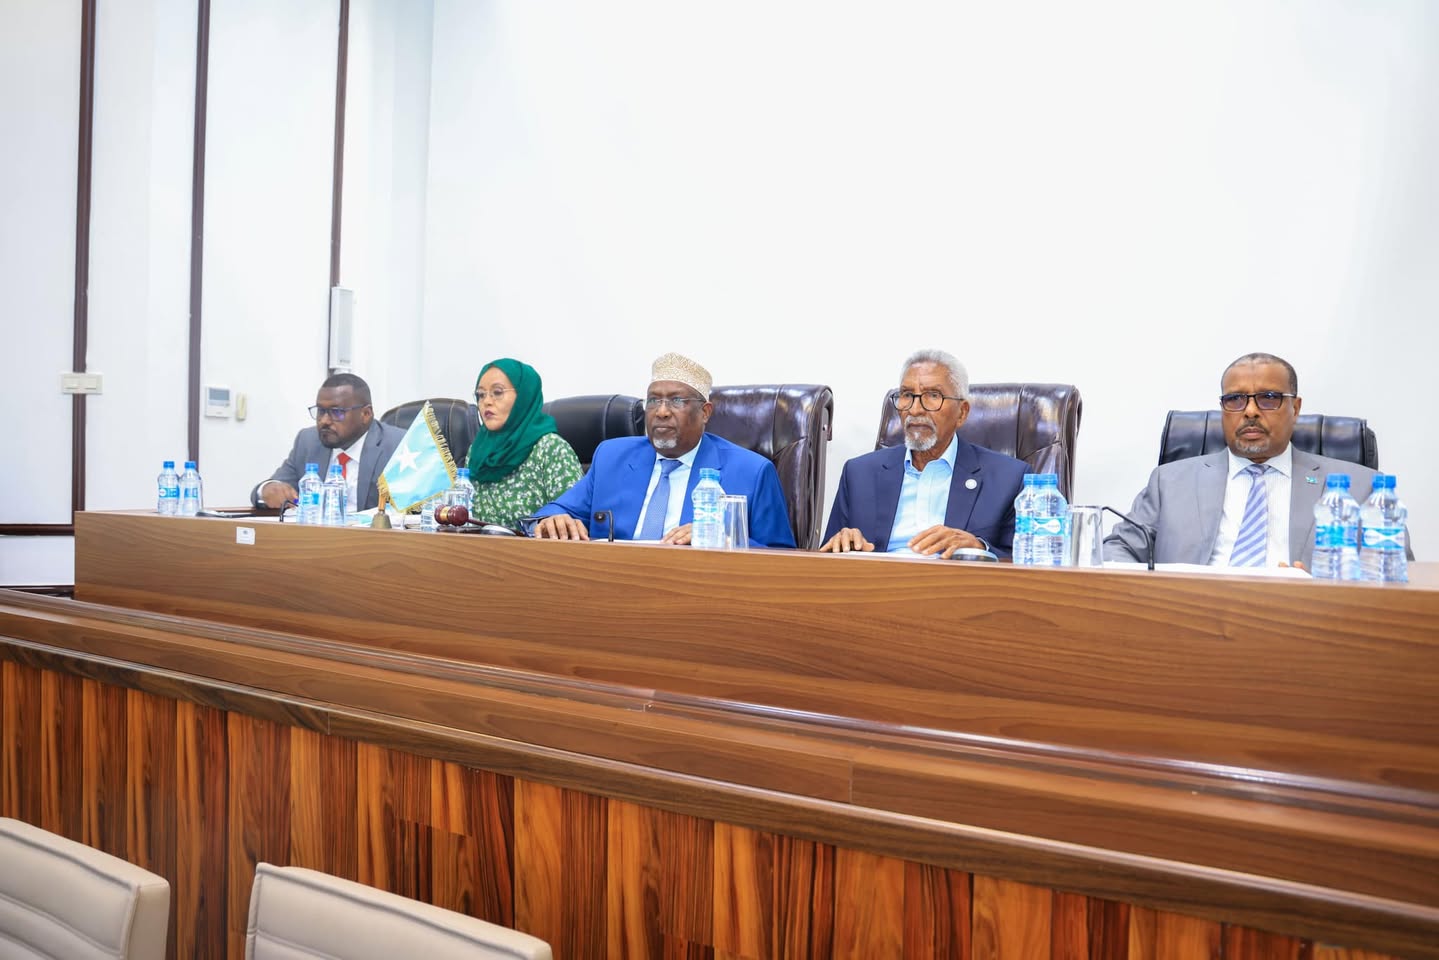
(937, 493)
(642, 486)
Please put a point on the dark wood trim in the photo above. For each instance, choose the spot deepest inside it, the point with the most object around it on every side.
(66, 590)
(81, 336)
(337, 186)
(1229, 896)
(197, 222)
(37, 530)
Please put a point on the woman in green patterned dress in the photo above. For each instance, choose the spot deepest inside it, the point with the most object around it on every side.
(518, 463)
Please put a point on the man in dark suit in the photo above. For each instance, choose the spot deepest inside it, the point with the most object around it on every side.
(345, 432)
(937, 493)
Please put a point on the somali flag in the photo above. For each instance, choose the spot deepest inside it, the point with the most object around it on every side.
(421, 468)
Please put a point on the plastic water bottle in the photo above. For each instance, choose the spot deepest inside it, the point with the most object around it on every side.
(312, 488)
(1050, 524)
(462, 494)
(333, 512)
(191, 491)
(167, 500)
(1024, 521)
(427, 513)
(1336, 531)
(707, 533)
(1382, 537)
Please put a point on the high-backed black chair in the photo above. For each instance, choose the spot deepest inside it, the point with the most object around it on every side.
(1192, 433)
(458, 421)
(790, 424)
(1034, 422)
(586, 422)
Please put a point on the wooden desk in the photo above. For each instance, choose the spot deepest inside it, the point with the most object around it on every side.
(700, 726)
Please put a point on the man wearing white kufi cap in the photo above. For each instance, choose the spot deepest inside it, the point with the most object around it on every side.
(642, 486)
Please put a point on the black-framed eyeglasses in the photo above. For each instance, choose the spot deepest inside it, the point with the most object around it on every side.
(677, 404)
(495, 393)
(930, 400)
(1268, 400)
(336, 414)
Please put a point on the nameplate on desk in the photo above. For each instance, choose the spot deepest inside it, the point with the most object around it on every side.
(245, 536)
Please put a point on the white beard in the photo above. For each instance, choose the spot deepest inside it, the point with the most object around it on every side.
(924, 444)
(666, 443)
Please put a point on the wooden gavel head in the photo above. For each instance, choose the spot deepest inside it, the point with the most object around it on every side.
(453, 516)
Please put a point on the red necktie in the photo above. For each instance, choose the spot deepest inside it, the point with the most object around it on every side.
(345, 459)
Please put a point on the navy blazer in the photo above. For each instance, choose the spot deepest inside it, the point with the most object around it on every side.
(619, 477)
(868, 496)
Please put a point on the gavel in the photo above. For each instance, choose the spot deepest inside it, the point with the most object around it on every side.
(453, 516)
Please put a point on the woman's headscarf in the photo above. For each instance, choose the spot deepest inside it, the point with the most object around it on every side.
(496, 453)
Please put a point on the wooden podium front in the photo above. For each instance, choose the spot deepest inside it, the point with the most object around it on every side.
(635, 750)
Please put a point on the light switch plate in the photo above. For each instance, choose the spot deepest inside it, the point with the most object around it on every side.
(72, 382)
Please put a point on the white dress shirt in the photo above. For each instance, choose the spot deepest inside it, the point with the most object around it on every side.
(352, 471)
(1236, 492)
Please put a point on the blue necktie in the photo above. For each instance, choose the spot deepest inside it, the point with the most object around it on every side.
(659, 503)
(1251, 546)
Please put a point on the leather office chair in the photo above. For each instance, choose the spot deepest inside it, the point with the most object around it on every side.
(63, 900)
(1192, 433)
(1035, 422)
(790, 424)
(297, 913)
(459, 420)
(587, 421)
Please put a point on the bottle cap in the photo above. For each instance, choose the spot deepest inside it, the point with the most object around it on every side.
(1337, 481)
(464, 473)
(168, 465)
(189, 464)
(709, 473)
(312, 468)
(1384, 481)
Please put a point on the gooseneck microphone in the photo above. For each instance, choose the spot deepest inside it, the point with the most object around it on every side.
(608, 517)
(1144, 528)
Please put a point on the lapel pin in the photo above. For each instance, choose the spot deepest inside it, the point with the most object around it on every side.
(971, 483)
(1311, 479)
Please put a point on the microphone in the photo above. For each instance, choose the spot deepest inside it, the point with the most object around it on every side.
(607, 516)
(1144, 528)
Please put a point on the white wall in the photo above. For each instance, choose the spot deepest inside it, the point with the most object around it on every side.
(790, 191)
(140, 246)
(1121, 195)
(39, 94)
(269, 157)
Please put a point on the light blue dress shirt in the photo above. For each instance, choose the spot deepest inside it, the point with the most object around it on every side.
(679, 480)
(923, 497)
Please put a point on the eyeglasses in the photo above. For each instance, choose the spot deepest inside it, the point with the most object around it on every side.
(1268, 400)
(677, 404)
(930, 400)
(497, 394)
(336, 414)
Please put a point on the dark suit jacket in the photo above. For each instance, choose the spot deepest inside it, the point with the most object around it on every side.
(380, 443)
(620, 475)
(868, 496)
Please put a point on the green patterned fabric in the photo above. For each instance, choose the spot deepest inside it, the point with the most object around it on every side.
(549, 470)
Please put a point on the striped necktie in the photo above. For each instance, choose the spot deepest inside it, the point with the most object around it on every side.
(1252, 545)
(659, 503)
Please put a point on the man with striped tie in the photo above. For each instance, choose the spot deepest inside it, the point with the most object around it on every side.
(1251, 505)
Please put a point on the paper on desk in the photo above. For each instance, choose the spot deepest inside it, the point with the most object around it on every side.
(1282, 572)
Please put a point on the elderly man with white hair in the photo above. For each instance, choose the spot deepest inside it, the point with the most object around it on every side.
(643, 485)
(937, 493)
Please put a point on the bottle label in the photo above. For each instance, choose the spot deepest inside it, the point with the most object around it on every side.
(1048, 526)
(1334, 536)
(1383, 538)
(1023, 525)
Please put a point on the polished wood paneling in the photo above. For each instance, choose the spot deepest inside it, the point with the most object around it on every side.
(1110, 808)
(596, 877)
(1115, 661)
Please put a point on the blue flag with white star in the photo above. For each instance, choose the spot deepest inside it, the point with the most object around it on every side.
(421, 468)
